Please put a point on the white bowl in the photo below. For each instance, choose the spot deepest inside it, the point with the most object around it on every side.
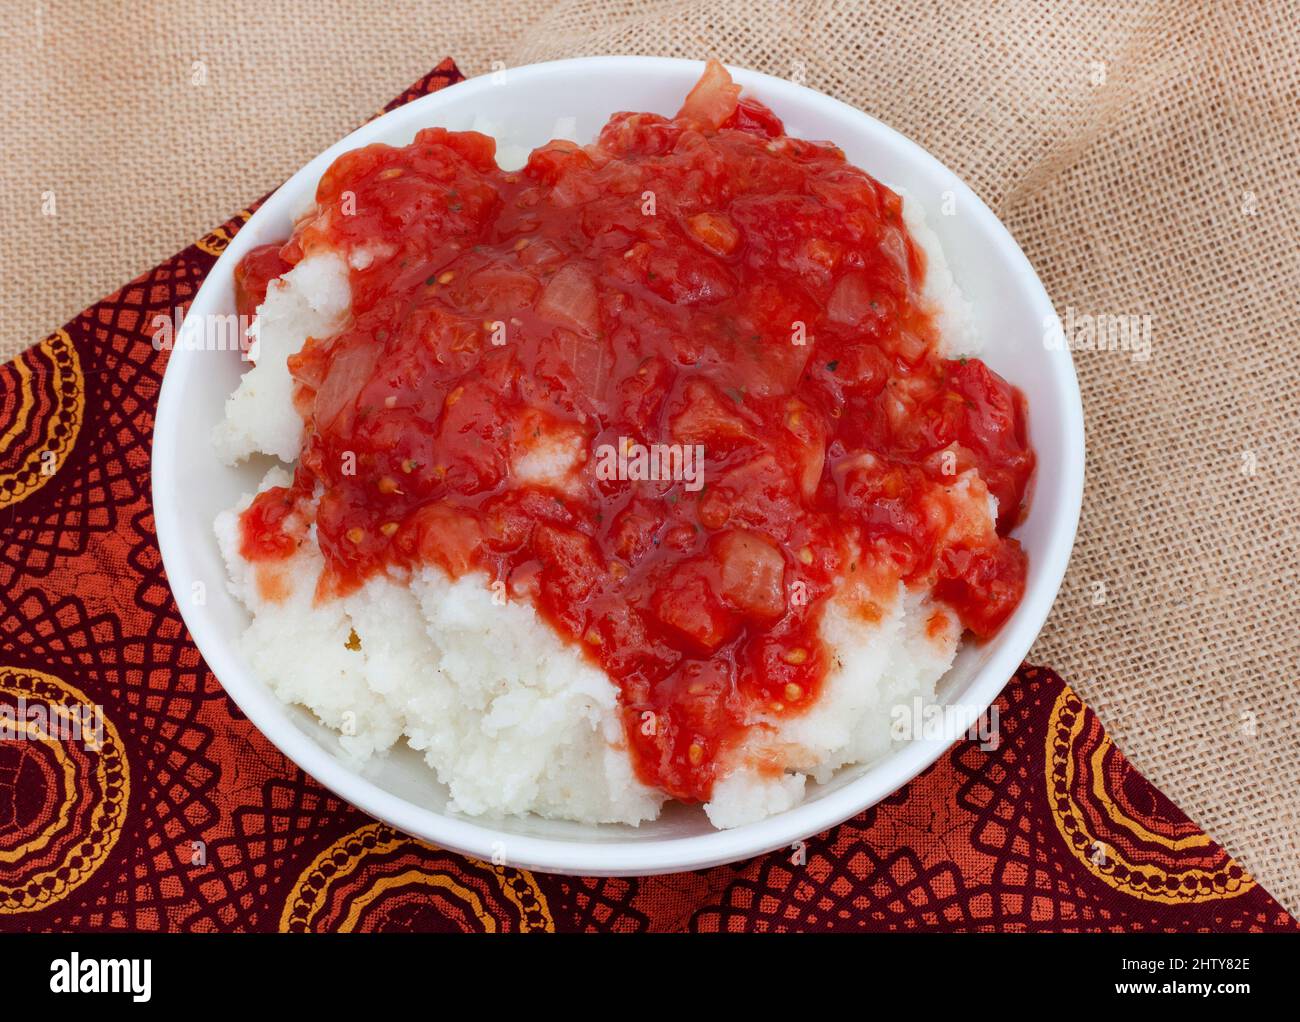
(527, 106)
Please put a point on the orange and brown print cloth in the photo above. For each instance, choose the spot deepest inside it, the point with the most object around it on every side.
(179, 815)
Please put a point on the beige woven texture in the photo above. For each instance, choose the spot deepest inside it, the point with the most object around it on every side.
(1145, 156)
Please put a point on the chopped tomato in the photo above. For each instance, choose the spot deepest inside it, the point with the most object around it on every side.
(983, 585)
(253, 275)
(752, 575)
(687, 605)
(713, 100)
(262, 528)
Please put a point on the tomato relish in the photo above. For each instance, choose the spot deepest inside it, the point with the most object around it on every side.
(700, 281)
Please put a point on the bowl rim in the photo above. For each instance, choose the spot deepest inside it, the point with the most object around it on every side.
(632, 856)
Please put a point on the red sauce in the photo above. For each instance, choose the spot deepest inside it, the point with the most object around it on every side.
(652, 287)
(254, 273)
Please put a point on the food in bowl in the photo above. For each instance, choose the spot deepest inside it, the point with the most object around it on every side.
(658, 468)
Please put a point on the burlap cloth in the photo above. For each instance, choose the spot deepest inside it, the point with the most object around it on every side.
(1145, 156)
